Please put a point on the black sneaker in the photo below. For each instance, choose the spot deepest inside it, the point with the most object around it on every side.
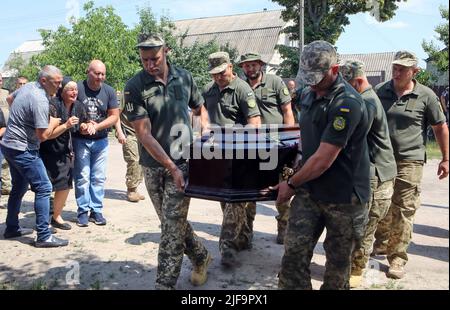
(51, 242)
(97, 218)
(19, 233)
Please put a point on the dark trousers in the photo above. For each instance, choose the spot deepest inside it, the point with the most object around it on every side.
(27, 168)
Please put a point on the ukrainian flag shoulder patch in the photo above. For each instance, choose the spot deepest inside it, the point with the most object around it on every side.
(345, 109)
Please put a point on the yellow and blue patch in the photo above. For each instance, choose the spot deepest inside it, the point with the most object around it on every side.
(339, 123)
(345, 109)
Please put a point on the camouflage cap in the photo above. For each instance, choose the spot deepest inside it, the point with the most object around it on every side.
(218, 62)
(405, 58)
(150, 40)
(352, 68)
(317, 58)
(250, 57)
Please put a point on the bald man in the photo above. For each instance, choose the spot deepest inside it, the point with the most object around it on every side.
(91, 144)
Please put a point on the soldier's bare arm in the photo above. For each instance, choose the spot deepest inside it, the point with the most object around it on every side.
(254, 121)
(441, 134)
(288, 115)
(204, 118)
(119, 132)
(143, 130)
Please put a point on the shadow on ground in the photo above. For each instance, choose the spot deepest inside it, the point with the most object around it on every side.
(431, 231)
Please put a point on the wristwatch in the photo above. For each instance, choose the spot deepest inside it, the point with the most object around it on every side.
(290, 184)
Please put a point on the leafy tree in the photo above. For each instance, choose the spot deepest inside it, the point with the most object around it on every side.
(325, 20)
(18, 66)
(101, 34)
(439, 56)
(426, 78)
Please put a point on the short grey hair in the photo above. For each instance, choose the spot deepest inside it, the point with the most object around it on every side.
(48, 72)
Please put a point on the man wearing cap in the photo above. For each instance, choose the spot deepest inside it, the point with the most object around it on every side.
(229, 101)
(410, 108)
(274, 102)
(382, 163)
(91, 144)
(156, 101)
(332, 186)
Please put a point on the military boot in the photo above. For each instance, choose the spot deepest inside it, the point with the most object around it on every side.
(141, 197)
(229, 258)
(281, 232)
(133, 195)
(356, 278)
(199, 274)
(396, 271)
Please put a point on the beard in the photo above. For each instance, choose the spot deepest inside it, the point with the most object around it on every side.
(253, 76)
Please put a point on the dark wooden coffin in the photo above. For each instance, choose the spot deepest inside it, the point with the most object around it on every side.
(236, 165)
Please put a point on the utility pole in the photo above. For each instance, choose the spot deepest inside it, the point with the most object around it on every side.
(301, 36)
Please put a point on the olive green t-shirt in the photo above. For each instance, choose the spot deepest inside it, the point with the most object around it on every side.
(165, 105)
(233, 105)
(408, 118)
(382, 161)
(271, 94)
(339, 118)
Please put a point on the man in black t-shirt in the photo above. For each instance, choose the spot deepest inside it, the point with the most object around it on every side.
(91, 143)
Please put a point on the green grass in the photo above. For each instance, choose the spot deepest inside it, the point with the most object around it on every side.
(433, 150)
(39, 285)
(96, 285)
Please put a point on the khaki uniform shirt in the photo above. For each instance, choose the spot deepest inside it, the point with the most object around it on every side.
(271, 95)
(233, 105)
(382, 161)
(3, 103)
(165, 105)
(408, 118)
(339, 118)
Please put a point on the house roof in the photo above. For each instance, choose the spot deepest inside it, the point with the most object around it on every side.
(375, 62)
(258, 32)
(30, 46)
(26, 50)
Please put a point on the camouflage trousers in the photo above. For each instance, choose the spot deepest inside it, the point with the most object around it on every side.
(307, 219)
(237, 226)
(6, 177)
(177, 235)
(134, 174)
(283, 213)
(395, 230)
(380, 200)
